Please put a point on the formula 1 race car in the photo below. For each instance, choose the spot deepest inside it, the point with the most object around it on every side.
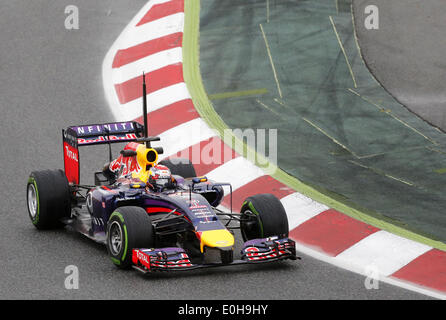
(153, 215)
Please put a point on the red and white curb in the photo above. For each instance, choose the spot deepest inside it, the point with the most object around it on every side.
(152, 43)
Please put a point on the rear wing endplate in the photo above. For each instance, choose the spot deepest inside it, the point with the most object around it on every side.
(105, 133)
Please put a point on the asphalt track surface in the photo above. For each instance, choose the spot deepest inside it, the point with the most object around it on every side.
(406, 53)
(296, 67)
(51, 78)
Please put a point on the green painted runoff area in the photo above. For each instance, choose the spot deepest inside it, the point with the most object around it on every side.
(295, 66)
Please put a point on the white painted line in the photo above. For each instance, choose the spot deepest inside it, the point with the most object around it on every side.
(383, 251)
(238, 172)
(343, 51)
(155, 100)
(148, 64)
(184, 136)
(267, 11)
(271, 61)
(300, 208)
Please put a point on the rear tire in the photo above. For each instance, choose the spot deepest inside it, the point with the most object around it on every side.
(180, 166)
(263, 215)
(128, 228)
(48, 198)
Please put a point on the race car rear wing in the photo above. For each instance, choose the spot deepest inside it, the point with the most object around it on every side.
(105, 133)
(108, 132)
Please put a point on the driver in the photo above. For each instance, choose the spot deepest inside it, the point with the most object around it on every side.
(160, 178)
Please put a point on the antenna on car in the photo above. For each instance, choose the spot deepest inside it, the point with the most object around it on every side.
(144, 108)
(146, 138)
(110, 155)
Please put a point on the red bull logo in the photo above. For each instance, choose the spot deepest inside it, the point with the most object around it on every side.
(127, 137)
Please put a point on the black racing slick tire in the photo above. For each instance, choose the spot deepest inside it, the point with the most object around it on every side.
(48, 198)
(262, 216)
(128, 228)
(180, 166)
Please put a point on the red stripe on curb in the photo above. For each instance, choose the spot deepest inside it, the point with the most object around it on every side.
(428, 270)
(207, 155)
(331, 232)
(170, 116)
(145, 49)
(162, 10)
(156, 80)
(263, 184)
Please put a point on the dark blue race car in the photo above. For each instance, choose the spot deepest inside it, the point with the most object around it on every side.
(150, 214)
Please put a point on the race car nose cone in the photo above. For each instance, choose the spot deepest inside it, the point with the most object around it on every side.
(216, 239)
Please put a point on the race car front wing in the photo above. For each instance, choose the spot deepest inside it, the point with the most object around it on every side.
(176, 259)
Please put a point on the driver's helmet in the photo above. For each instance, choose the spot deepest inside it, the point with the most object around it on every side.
(160, 177)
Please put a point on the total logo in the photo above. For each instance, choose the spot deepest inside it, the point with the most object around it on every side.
(71, 155)
(142, 257)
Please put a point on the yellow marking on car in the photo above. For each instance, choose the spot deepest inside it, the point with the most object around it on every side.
(144, 163)
(216, 238)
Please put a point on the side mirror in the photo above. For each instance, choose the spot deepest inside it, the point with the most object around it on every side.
(199, 179)
(160, 150)
(128, 153)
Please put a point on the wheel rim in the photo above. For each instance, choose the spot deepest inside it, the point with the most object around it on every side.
(115, 238)
(250, 228)
(32, 200)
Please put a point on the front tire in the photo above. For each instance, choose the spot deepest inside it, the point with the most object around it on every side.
(263, 215)
(48, 198)
(128, 228)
